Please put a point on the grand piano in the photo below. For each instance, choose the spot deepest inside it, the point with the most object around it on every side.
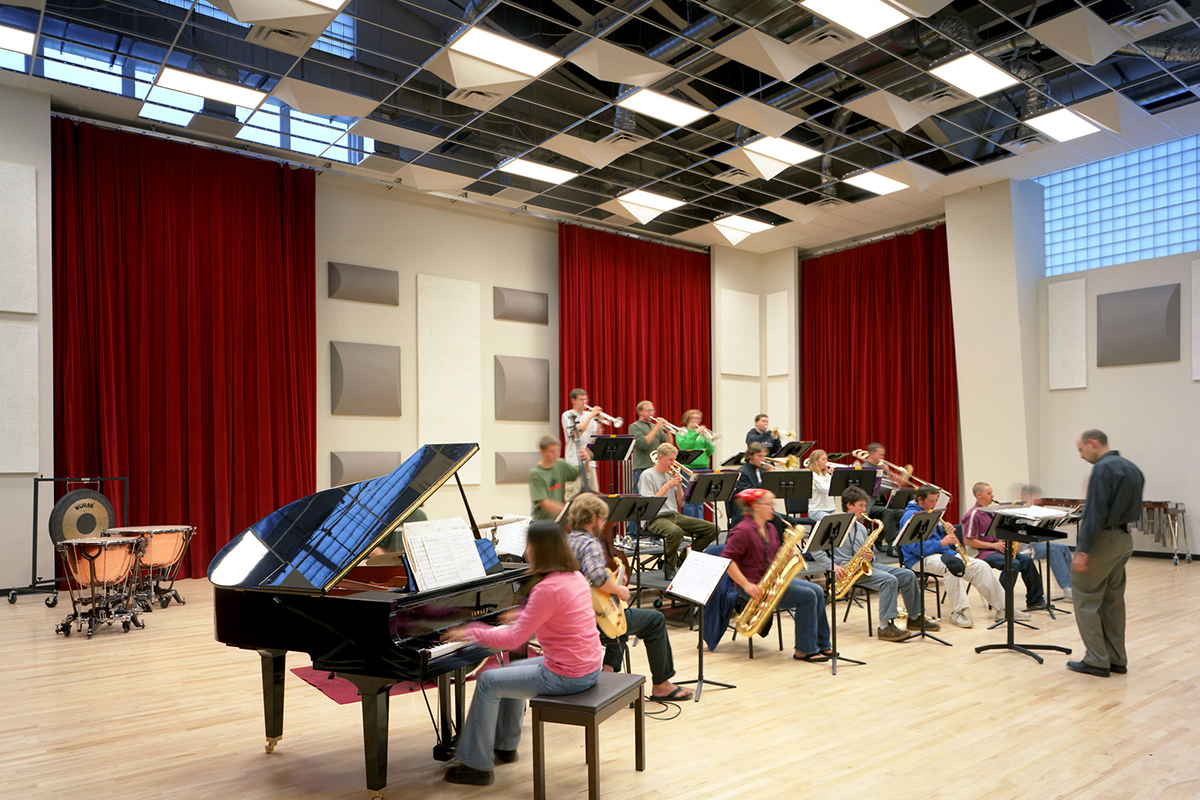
(289, 582)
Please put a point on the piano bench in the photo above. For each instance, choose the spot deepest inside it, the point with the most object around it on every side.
(612, 692)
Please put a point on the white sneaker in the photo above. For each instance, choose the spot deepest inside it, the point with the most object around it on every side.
(1017, 615)
(1066, 598)
(961, 620)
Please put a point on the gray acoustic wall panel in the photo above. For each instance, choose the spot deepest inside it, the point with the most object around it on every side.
(19, 421)
(519, 305)
(514, 467)
(355, 466)
(1138, 327)
(1196, 320)
(364, 284)
(18, 238)
(1067, 342)
(522, 388)
(364, 379)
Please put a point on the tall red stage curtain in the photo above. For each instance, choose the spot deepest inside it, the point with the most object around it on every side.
(184, 329)
(634, 324)
(877, 344)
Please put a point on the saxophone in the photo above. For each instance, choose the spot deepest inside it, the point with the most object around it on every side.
(774, 583)
(857, 566)
(958, 547)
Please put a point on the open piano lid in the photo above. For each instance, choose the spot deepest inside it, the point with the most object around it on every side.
(308, 545)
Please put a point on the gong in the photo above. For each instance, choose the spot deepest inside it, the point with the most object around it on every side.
(81, 513)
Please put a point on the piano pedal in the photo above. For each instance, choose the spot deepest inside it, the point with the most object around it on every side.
(271, 742)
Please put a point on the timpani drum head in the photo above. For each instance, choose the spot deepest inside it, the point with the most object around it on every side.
(79, 514)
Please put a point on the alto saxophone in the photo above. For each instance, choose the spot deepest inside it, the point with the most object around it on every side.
(774, 583)
(958, 548)
(858, 566)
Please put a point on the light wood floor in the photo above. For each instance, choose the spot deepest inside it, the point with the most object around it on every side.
(167, 712)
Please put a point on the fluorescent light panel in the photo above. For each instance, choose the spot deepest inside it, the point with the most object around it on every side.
(782, 150)
(974, 75)
(865, 17)
(659, 106)
(650, 200)
(1063, 125)
(16, 40)
(874, 182)
(504, 52)
(539, 172)
(743, 224)
(200, 86)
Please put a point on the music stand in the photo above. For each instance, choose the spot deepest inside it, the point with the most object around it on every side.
(630, 508)
(917, 530)
(611, 448)
(843, 478)
(686, 457)
(797, 449)
(901, 498)
(827, 535)
(711, 487)
(1007, 525)
(788, 484)
(994, 530)
(734, 460)
(694, 583)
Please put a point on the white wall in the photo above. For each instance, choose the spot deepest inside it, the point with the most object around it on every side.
(1149, 411)
(25, 139)
(369, 225)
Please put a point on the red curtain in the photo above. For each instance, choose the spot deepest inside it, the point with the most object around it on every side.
(184, 329)
(877, 344)
(634, 324)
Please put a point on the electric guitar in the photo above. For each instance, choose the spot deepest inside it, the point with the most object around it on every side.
(610, 609)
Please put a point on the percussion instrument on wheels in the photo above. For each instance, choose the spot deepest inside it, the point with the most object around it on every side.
(159, 562)
(100, 578)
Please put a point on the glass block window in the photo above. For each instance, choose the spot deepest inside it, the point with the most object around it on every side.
(1126, 208)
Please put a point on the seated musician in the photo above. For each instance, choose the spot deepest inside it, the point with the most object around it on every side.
(975, 525)
(820, 505)
(886, 481)
(751, 546)
(942, 559)
(749, 477)
(762, 433)
(887, 579)
(662, 480)
(693, 437)
(559, 613)
(586, 522)
(548, 479)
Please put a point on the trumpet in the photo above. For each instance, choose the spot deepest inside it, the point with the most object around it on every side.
(615, 422)
(675, 429)
(707, 434)
(677, 471)
(778, 434)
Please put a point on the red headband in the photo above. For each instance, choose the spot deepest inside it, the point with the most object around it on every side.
(748, 497)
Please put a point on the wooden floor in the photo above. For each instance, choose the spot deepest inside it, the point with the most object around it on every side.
(166, 712)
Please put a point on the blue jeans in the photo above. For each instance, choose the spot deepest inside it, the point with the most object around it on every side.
(693, 510)
(498, 707)
(1060, 561)
(808, 604)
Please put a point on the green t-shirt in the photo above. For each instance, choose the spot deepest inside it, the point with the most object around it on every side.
(550, 484)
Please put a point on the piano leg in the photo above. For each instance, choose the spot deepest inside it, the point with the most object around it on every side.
(444, 749)
(375, 697)
(272, 681)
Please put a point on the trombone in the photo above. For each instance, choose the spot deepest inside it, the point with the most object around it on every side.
(902, 474)
(791, 462)
(615, 422)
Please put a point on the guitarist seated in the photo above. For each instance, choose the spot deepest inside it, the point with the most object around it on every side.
(587, 539)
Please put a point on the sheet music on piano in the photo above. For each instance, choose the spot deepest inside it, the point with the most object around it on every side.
(441, 553)
(510, 538)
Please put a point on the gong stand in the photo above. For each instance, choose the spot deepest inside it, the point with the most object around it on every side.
(37, 584)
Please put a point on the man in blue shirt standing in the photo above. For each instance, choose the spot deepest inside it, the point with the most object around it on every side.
(1113, 503)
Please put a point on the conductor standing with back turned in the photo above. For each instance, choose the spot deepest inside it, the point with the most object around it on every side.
(1114, 502)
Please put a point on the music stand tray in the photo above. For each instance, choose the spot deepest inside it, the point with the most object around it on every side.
(917, 530)
(611, 447)
(901, 498)
(843, 478)
(827, 535)
(710, 487)
(734, 460)
(631, 508)
(797, 449)
(686, 457)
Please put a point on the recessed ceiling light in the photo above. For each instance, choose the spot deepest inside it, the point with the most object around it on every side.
(874, 182)
(1063, 125)
(659, 106)
(974, 75)
(782, 150)
(539, 172)
(651, 200)
(865, 17)
(505, 52)
(200, 86)
(16, 40)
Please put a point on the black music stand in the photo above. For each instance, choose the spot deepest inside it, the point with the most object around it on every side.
(797, 449)
(734, 460)
(1047, 531)
(711, 487)
(696, 586)
(827, 535)
(917, 530)
(631, 508)
(993, 529)
(862, 478)
(1012, 529)
(789, 484)
(901, 498)
(611, 448)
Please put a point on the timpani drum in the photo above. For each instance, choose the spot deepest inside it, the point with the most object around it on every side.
(164, 549)
(99, 576)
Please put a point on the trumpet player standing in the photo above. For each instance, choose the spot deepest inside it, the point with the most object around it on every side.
(580, 425)
(762, 433)
(941, 558)
(694, 436)
(751, 546)
(887, 579)
(664, 480)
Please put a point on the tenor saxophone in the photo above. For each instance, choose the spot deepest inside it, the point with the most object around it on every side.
(858, 566)
(786, 564)
(958, 548)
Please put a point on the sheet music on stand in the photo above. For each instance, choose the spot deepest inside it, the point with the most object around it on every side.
(698, 577)
(441, 553)
(510, 538)
(1035, 513)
